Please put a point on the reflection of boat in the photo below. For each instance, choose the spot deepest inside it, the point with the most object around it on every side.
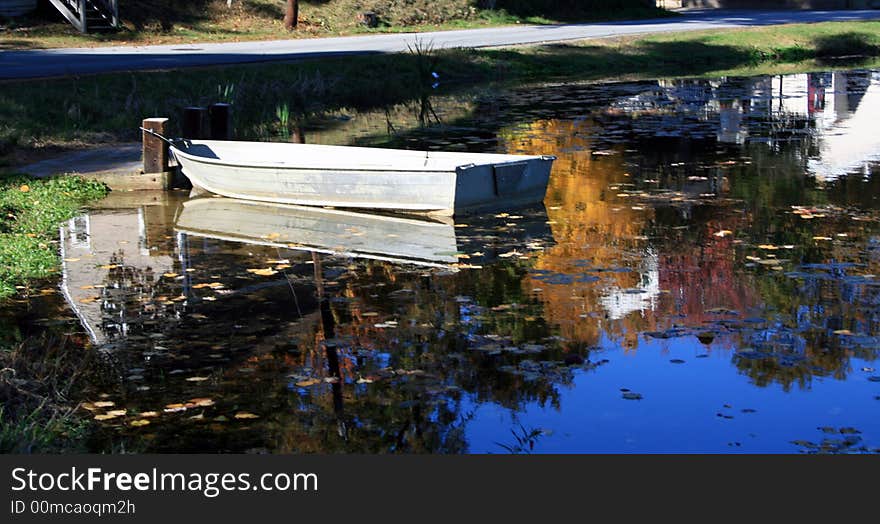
(407, 239)
(365, 235)
(357, 177)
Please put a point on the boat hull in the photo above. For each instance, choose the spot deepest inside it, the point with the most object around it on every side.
(457, 183)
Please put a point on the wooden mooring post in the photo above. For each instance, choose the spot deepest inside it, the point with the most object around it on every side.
(221, 121)
(155, 149)
(193, 122)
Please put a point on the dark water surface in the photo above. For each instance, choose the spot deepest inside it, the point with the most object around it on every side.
(703, 276)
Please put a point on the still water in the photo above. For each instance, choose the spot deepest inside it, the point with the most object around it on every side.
(699, 278)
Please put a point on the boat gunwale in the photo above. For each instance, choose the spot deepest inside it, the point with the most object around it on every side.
(288, 167)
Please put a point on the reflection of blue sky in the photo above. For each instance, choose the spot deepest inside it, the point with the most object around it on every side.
(679, 411)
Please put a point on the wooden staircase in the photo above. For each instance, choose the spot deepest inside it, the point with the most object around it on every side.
(90, 16)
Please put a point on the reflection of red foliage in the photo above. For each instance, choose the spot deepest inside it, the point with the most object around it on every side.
(703, 276)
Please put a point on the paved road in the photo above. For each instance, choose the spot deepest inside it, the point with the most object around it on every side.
(62, 62)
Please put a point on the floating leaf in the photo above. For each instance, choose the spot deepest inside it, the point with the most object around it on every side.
(262, 272)
(212, 285)
(139, 423)
(244, 415)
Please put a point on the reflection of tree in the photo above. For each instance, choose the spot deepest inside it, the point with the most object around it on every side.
(595, 226)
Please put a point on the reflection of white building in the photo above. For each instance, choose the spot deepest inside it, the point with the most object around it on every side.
(837, 110)
(731, 130)
(851, 137)
(619, 303)
(94, 246)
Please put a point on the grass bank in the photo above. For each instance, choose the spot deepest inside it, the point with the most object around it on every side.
(42, 113)
(30, 212)
(162, 22)
(37, 376)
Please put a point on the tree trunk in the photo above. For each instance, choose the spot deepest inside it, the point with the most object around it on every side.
(292, 14)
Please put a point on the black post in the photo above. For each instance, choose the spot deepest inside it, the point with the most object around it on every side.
(221, 121)
(193, 122)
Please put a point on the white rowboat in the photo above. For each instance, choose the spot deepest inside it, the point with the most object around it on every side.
(358, 177)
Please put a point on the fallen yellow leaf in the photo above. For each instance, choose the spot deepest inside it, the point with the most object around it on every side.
(262, 272)
(245, 415)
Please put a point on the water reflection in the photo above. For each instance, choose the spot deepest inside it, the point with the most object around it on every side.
(695, 281)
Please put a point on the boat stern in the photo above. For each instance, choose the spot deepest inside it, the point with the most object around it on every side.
(500, 185)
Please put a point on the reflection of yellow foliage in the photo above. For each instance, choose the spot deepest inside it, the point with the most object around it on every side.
(595, 226)
(591, 226)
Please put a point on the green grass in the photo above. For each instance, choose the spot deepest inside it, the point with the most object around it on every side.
(697, 53)
(31, 213)
(39, 431)
(37, 377)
